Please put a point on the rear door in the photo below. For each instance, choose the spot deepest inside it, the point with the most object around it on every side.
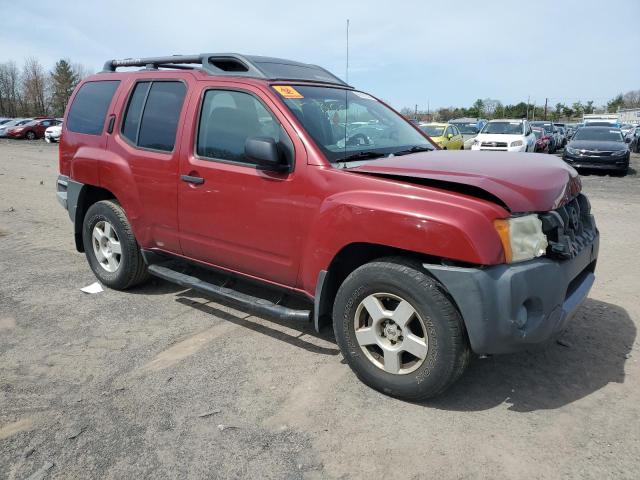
(233, 215)
(146, 153)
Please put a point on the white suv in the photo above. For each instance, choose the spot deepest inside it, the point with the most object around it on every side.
(506, 136)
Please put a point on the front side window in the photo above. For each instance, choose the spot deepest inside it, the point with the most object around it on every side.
(347, 124)
(152, 115)
(89, 108)
(228, 118)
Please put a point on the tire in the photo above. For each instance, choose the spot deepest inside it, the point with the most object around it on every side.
(30, 135)
(128, 267)
(391, 283)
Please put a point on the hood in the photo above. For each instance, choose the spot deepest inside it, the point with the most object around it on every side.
(523, 182)
(597, 145)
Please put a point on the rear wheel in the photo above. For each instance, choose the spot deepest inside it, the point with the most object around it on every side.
(30, 135)
(398, 331)
(110, 246)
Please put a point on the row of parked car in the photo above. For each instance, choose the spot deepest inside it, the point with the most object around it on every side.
(600, 145)
(513, 135)
(31, 128)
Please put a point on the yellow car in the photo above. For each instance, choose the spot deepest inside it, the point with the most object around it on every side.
(447, 136)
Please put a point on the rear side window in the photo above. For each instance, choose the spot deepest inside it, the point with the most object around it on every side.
(89, 108)
(152, 115)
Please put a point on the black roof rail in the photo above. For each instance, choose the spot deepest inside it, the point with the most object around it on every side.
(233, 64)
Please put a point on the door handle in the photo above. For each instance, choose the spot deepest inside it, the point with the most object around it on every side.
(192, 179)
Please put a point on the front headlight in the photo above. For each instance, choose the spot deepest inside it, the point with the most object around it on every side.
(571, 151)
(517, 143)
(619, 153)
(522, 237)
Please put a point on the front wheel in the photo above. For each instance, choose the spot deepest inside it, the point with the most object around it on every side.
(398, 331)
(30, 135)
(110, 246)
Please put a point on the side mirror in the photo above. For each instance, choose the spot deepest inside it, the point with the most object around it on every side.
(264, 151)
(627, 139)
(450, 136)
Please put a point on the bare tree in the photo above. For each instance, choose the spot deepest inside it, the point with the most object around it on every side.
(9, 89)
(34, 88)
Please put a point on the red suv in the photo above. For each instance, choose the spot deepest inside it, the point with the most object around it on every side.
(279, 172)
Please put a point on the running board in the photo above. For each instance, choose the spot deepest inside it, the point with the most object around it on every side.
(246, 302)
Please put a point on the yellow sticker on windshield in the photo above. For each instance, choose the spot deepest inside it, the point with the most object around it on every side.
(287, 91)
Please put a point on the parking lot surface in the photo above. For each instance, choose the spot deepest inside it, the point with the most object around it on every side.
(160, 382)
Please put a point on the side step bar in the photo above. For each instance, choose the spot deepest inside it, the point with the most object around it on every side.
(246, 302)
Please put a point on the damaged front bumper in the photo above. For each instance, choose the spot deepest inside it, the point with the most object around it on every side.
(507, 308)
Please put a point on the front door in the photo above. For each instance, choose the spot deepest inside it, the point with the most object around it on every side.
(232, 215)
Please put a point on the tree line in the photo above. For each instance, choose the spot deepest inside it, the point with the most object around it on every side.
(490, 109)
(33, 91)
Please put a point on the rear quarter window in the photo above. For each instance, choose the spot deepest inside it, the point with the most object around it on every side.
(89, 107)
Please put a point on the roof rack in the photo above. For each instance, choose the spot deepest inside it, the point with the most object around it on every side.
(233, 64)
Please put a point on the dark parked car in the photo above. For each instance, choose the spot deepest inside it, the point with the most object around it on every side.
(542, 140)
(598, 147)
(633, 139)
(32, 130)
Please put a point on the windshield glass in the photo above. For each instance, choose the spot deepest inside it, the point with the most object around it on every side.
(506, 128)
(599, 134)
(432, 130)
(537, 132)
(344, 123)
(467, 128)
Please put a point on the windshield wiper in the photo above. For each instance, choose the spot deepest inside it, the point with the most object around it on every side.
(367, 154)
(414, 149)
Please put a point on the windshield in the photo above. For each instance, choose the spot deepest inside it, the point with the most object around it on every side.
(467, 128)
(432, 130)
(598, 134)
(345, 123)
(506, 128)
(537, 132)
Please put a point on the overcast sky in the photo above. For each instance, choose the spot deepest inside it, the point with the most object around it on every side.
(406, 52)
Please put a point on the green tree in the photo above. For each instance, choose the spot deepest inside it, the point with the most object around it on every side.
(63, 80)
(477, 109)
(589, 107)
(615, 103)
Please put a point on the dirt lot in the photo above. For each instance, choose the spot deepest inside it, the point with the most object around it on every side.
(160, 382)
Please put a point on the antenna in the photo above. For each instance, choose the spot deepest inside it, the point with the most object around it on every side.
(347, 73)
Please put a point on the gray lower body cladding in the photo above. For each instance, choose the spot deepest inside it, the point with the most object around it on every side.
(507, 308)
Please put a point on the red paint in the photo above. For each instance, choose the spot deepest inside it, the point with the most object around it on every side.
(285, 228)
(36, 126)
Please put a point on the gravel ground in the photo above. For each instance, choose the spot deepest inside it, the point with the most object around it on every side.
(160, 382)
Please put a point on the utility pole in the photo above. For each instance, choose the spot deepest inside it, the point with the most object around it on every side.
(528, 100)
(347, 73)
(415, 115)
(545, 107)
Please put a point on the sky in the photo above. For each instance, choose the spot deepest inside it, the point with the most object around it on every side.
(428, 53)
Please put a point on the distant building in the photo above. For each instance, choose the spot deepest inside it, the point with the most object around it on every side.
(629, 115)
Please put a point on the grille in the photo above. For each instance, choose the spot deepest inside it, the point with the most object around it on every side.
(494, 144)
(569, 229)
(589, 153)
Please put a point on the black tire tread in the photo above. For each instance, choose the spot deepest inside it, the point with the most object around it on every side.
(412, 270)
(138, 273)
